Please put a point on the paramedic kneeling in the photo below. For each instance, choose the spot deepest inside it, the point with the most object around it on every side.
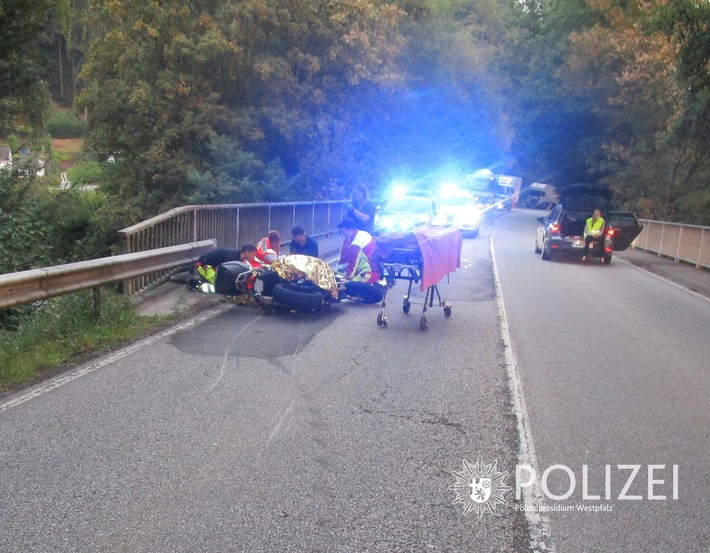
(361, 271)
(593, 231)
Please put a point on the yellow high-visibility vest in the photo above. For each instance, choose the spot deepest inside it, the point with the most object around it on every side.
(593, 228)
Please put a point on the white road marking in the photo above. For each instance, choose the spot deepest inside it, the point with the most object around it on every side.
(66, 378)
(533, 498)
(664, 279)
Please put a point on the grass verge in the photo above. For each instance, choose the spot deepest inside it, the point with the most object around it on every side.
(65, 329)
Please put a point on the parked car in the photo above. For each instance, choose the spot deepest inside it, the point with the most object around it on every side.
(541, 196)
(457, 208)
(404, 213)
(562, 231)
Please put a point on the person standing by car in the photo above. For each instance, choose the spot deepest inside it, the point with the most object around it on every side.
(360, 270)
(361, 209)
(302, 244)
(593, 231)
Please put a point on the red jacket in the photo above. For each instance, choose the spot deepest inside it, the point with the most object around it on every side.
(261, 249)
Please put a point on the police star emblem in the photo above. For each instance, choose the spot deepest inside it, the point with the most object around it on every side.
(480, 487)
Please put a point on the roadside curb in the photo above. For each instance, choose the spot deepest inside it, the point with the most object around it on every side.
(684, 276)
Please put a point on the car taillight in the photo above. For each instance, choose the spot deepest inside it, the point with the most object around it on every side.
(554, 228)
(610, 232)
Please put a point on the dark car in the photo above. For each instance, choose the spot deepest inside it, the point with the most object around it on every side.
(562, 231)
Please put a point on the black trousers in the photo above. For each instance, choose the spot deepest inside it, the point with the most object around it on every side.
(589, 239)
(366, 293)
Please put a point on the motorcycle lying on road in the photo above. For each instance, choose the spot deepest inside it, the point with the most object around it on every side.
(294, 282)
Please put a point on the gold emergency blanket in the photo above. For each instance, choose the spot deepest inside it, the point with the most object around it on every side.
(295, 267)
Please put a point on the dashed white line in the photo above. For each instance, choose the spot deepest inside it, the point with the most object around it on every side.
(533, 498)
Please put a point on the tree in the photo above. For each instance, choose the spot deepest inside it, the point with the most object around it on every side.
(556, 129)
(167, 81)
(22, 91)
(642, 98)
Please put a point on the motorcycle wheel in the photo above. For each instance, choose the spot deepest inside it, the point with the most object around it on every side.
(301, 299)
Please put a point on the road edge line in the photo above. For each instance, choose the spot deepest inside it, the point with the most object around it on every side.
(663, 279)
(533, 499)
(60, 380)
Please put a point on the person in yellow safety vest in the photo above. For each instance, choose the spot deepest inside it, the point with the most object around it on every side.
(593, 231)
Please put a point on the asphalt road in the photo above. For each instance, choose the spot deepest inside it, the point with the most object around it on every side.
(241, 431)
(615, 367)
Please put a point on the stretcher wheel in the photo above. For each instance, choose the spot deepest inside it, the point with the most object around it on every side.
(381, 320)
(422, 323)
(406, 306)
(447, 311)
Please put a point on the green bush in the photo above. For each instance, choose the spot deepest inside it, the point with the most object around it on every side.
(64, 124)
(88, 172)
(63, 328)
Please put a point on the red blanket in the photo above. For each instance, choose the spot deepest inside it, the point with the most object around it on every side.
(440, 250)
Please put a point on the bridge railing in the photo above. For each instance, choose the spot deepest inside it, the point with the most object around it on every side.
(230, 225)
(688, 243)
(49, 282)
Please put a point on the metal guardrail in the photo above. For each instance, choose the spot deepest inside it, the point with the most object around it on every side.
(688, 243)
(41, 284)
(230, 225)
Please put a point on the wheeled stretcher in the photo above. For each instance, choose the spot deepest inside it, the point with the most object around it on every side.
(423, 256)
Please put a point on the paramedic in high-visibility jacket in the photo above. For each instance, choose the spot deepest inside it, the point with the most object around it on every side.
(593, 231)
(268, 248)
(360, 269)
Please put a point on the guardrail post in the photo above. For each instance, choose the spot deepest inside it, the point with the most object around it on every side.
(238, 240)
(660, 244)
(645, 238)
(98, 301)
(700, 250)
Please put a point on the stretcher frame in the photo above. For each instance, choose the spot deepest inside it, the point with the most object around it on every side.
(407, 264)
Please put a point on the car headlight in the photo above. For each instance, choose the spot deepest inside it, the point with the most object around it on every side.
(439, 220)
(387, 223)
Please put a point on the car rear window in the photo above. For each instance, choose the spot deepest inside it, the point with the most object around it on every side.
(619, 218)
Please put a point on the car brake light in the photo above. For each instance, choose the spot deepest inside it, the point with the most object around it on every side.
(610, 232)
(554, 228)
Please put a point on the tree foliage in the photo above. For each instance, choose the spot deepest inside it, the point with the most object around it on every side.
(246, 100)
